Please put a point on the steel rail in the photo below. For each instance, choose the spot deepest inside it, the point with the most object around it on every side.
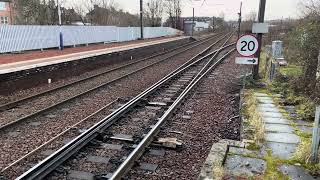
(12, 104)
(100, 86)
(138, 151)
(59, 135)
(53, 161)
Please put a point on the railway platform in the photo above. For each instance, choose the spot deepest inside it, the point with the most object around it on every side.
(18, 62)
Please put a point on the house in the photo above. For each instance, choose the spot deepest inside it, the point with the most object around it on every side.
(71, 17)
(6, 13)
(200, 24)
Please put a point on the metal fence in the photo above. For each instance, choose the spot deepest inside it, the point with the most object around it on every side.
(15, 38)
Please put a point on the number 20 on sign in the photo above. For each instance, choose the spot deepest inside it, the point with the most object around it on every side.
(247, 46)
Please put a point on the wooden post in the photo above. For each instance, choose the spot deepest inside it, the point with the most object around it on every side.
(239, 21)
(315, 137)
(262, 8)
(141, 19)
(192, 21)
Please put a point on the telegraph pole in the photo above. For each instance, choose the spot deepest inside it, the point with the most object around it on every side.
(192, 21)
(213, 24)
(141, 18)
(60, 23)
(262, 8)
(240, 19)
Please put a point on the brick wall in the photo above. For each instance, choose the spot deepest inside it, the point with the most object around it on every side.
(5, 13)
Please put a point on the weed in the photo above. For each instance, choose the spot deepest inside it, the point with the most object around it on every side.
(254, 117)
(218, 172)
(305, 110)
(272, 172)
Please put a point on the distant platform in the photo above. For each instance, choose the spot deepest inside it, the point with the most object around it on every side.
(10, 63)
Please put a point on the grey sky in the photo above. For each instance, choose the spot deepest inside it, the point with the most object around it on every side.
(275, 9)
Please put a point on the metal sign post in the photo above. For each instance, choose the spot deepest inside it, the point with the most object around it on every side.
(316, 137)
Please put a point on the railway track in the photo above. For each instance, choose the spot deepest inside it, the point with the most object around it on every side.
(20, 110)
(23, 138)
(111, 146)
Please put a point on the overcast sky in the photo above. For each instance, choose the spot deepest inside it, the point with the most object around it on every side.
(276, 9)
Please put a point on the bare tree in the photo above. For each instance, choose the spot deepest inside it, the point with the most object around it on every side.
(252, 16)
(154, 13)
(312, 8)
(173, 10)
(248, 21)
(304, 44)
(82, 7)
(27, 11)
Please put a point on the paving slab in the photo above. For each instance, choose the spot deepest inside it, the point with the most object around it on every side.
(244, 152)
(264, 98)
(239, 165)
(271, 114)
(268, 109)
(296, 173)
(288, 138)
(277, 95)
(305, 129)
(261, 95)
(282, 128)
(271, 120)
(282, 150)
(290, 109)
(303, 123)
(265, 101)
(267, 105)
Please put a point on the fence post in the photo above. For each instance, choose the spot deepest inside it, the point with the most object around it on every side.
(61, 46)
(315, 137)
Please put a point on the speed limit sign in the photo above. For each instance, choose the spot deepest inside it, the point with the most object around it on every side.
(247, 45)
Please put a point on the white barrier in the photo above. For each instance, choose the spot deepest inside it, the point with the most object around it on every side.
(15, 38)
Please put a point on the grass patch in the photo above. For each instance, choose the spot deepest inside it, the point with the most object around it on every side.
(272, 171)
(303, 156)
(291, 70)
(262, 64)
(254, 118)
(253, 147)
(303, 135)
(218, 172)
(303, 152)
(304, 106)
(306, 109)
